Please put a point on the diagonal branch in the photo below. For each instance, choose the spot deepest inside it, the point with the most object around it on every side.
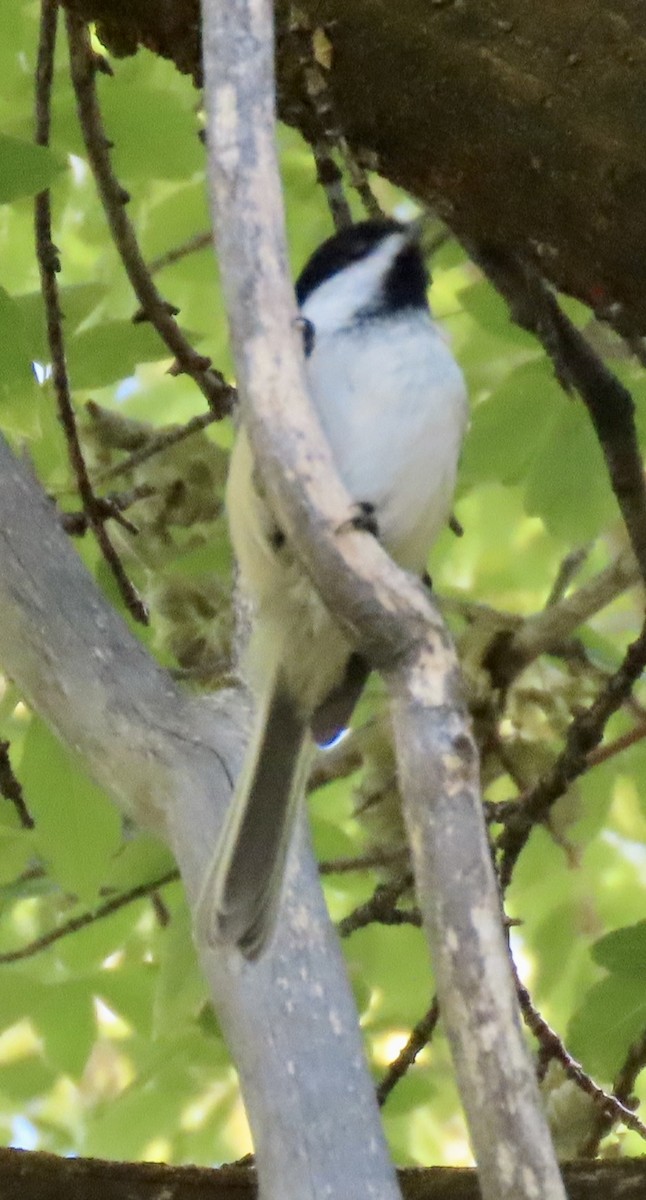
(583, 735)
(84, 64)
(609, 1107)
(419, 1038)
(393, 623)
(552, 626)
(11, 788)
(89, 917)
(622, 1091)
(49, 266)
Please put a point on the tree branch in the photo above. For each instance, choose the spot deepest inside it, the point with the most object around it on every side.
(391, 621)
(49, 266)
(577, 366)
(169, 760)
(419, 1038)
(32, 1175)
(552, 626)
(88, 918)
(583, 735)
(11, 788)
(447, 108)
(84, 64)
(608, 1106)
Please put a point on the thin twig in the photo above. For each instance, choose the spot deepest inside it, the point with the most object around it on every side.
(327, 135)
(11, 789)
(89, 917)
(160, 910)
(156, 445)
(49, 266)
(382, 909)
(622, 1091)
(553, 1047)
(557, 622)
(359, 180)
(624, 742)
(362, 862)
(107, 508)
(420, 1036)
(568, 570)
(84, 64)
(320, 136)
(583, 736)
(192, 245)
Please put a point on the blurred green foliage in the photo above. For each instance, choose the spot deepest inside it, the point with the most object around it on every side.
(108, 1044)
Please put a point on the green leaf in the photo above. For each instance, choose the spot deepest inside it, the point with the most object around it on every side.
(111, 351)
(77, 828)
(611, 1017)
(508, 429)
(26, 1078)
(154, 130)
(623, 952)
(67, 1023)
(394, 963)
(129, 992)
(141, 860)
(172, 221)
(16, 849)
(26, 169)
(18, 386)
(77, 302)
(151, 1107)
(181, 989)
(568, 483)
(485, 305)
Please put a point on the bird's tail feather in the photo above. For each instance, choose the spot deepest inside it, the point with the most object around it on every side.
(242, 890)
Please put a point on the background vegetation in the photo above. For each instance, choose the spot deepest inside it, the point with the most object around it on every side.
(109, 1045)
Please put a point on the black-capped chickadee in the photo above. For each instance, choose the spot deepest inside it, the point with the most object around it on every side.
(392, 403)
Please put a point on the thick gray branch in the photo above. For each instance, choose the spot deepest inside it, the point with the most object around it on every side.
(169, 760)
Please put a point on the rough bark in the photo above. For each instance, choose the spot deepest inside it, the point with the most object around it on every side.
(522, 122)
(36, 1176)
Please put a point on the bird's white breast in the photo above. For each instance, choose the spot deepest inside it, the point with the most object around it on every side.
(392, 402)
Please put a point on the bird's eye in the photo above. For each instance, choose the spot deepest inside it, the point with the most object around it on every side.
(360, 249)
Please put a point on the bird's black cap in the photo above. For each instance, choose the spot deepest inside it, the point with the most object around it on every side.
(406, 282)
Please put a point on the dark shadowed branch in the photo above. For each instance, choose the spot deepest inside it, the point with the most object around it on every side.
(39, 1176)
(622, 1090)
(420, 1036)
(11, 789)
(49, 265)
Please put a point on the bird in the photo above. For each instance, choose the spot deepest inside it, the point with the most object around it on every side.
(392, 403)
